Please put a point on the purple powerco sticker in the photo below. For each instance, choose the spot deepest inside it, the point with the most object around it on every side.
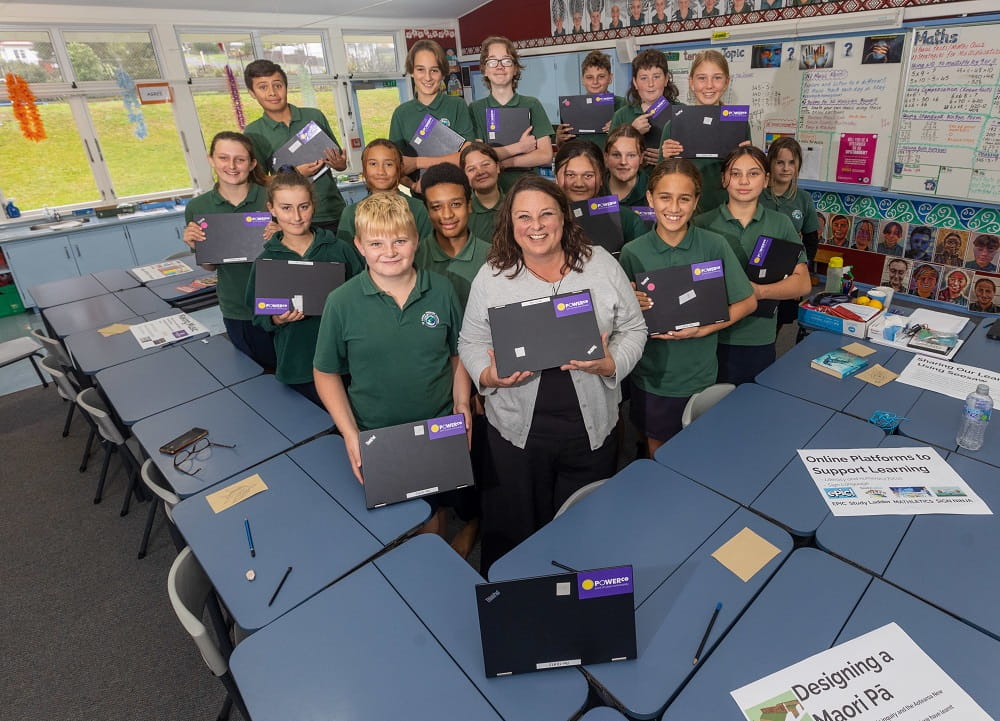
(645, 213)
(426, 125)
(492, 116)
(445, 426)
(572, 304)
(600, 206)
(271, 306)
(658, 106)
(252, 219)
(309, 132)
(735, 113)
(707, 270)
(604, 582)
(760, 250)
(604, 98)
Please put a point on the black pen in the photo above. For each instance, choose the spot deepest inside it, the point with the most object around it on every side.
(565, 568)
(708, 630)
(282, 583)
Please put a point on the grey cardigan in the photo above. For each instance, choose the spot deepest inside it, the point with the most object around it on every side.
(510, 410)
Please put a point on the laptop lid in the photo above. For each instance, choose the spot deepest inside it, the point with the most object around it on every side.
(772, 259)
(709, 131)
(281, 285)
(685, 296)
(587, 114)
(230, 237)
(505, 126)
(306, 146)
(434, 138)
(412, 460)
(545, 332)
(601, 222)
(567, 619)
(659, 113)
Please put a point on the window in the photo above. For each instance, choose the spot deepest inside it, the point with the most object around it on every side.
(29, 54)
(375, 101)
(96, 55)
(206, 55)
(371, 53)
(296, 52)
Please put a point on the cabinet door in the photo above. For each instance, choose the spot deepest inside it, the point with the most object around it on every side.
(103, 249)
(39, 260)
(154, 240)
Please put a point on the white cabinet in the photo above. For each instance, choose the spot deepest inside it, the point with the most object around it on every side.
(101, 249)
(39, 260)
(154, 240)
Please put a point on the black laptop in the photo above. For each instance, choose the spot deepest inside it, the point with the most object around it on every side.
(306, 146)
(413, 460)
(230, 237)
(659, 114)
(505, 126)
(709, 131)
(587, 114)
(685, 296)
(434, 138)
(534, 335)
(568, 619)
(283, 285)
(601, 222)
(772, 260)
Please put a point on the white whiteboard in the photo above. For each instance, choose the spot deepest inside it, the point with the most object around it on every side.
(949, 128)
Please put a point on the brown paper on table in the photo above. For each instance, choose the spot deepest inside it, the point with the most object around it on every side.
(877, 375)
(862, 351)
(114, 329)
(745, 553)
(239, 491)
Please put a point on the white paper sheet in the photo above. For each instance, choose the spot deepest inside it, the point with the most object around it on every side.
(161, 270)
(171, 329)
(947, 378)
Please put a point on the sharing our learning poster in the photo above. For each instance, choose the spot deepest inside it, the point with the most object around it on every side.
(889, 482)
(880, 676)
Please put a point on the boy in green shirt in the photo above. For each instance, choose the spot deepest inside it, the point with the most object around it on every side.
(596, 79)
(268, 85)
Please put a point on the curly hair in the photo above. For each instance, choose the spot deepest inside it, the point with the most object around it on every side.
(646, 60)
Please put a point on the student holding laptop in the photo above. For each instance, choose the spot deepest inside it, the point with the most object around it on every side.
(290, 201)
(677, 364)
(747, 348)
(482, 167)
(650, 82)
(239, 188)
(550, 432)
(626, 177)
(596, 79)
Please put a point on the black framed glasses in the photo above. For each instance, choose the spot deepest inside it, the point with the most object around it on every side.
(184, 460)
(495, 62)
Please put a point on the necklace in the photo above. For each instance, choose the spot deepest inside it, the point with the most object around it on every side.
(555, 286)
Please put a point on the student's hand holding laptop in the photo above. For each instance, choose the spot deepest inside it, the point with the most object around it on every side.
(490, 378)
(527, 143)
(289, 316)
(645, 303)
(336, 159)
(671, 148)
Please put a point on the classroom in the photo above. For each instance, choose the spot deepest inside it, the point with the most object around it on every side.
(254, 259)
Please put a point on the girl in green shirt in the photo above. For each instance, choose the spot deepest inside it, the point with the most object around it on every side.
(482, 167)
(650, 82)
(626, 177)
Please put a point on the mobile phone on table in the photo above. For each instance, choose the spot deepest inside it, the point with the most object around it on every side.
(183, 441)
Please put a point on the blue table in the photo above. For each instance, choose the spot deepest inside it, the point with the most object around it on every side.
(293, 523)
(645, 515)
(671, 622)
(793, 374)
(153, 383)
(602, 713)
(223, 360)
(739, 445)
(92, 352)
(96, 312)
(968, 656)
(228, 420)
(792, 499)
(439, 587)
(67, 290)
(934, 419)
(799, 613)
(978, 350)
(990, 452)
(284, 408)
(325, 460)
(142, 301)
(354, 651)
(893, 397)
(115, 279)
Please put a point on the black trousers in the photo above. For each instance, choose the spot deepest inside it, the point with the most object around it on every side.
(528, 485)
(739, 364)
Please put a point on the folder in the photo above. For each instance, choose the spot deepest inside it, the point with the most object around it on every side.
(601, 222)
(505, 126)
(230, 237)
(283, 285)
(710, 131)
(587, 114)
(772, 260)
(685, 296)
(306, 146)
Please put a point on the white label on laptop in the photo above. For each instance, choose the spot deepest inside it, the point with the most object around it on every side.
(563, 588)
(294, 146)
(558, 664)
(370, 441)
(519, 352)
(690, 295)
(493, 136)
(526, 303)
(706, 155)
(762, 273)
(707, 121)
(297, 302)
(235, 260)
(577, 212)
(688, 325)
(418, 141)
(418, 430)
(300, 262)
(426, 491)
(592, 349)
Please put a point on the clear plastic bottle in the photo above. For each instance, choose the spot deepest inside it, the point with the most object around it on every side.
(835, 275)
(975, 416)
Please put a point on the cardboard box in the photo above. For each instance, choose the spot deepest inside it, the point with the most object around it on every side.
(815, 320)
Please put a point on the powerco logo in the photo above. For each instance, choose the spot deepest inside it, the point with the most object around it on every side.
(606, 204)
(445, 426)
(272, 306)
(604, 582)
(707, 270)
(735, 113)
(572, 304)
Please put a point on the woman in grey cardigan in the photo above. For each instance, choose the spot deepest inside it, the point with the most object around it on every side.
(550, 432)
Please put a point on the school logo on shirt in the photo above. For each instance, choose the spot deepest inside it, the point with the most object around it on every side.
(445, 122)
(430, 319)
(796, 214)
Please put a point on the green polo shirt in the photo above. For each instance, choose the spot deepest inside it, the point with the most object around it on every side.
(752, 330)
(680, 368)
(601, 139)
(632, 225)
(798, 207)
(346, 230)
(482, 220)
(232, 277)
(399, 360)
(712, 193)
(637, 196)
(461, 269)
(541, 127)
(294, 343)
(268, 135)
(449, 109)
(626, 115)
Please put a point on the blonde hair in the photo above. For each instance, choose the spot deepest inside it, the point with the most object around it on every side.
(384, 213)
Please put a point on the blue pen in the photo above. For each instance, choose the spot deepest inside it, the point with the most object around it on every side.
(246, 525)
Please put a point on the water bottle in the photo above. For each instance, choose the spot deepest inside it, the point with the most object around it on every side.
(975, 416)
(835, 275)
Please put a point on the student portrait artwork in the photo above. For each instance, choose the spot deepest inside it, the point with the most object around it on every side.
(924, 280)
(864, 234)
(950, 249)
(840, 230)
(983, 297)
(891, 234)
(982, 254)
(896, 274)
(920, 243)
(956, 286)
